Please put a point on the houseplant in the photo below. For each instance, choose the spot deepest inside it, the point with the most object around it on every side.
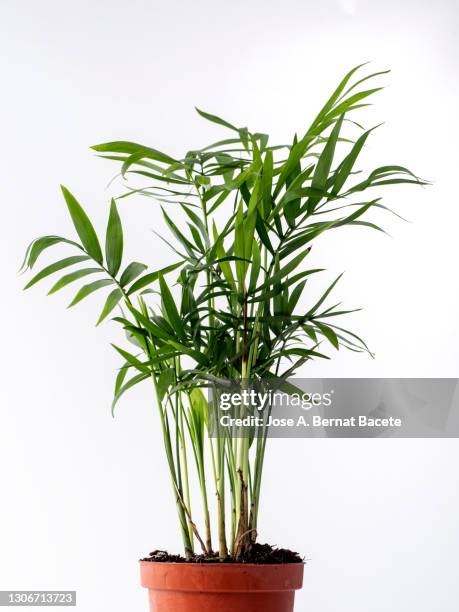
(242, 216)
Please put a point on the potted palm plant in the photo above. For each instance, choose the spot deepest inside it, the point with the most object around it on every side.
(242, 215)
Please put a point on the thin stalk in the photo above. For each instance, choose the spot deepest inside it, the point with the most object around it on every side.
(243, 540)
(170, 455)
(185, 469)
(205, 502)
(220, 491)
(223, 547)
(170, 460)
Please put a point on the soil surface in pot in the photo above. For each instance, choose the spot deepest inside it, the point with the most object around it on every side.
(258, 554)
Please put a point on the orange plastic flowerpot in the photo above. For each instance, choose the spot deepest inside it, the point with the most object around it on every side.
(221, 587)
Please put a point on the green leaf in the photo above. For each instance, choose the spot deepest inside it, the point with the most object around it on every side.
(351, 103)
(335, 95)
(328, 333)
(131, 383)
(221, 254)
(263, 234)
(178, 234)
(290, 267)
(152, 277)
(132, 360)
(121, 376)
(295, 296)
(256, 265)
(322, 170)
(356, 214)
(131, 272)
(198, 416)
(153, 329)
(196, 238)
(323, 298)
(165, 380)
(366, 78)
(55, 267)
(196, 355)
(73, 276)
(90, 288)
(302, 352)
(37, 246)
(250, 220)
(346, 166)
(215, 119)
(112, 300)
(114, 241)
(133, 148)
(266, 184)
(199, 224)
(308, 234)
(83, 226)
(170, 310)
(239, 246)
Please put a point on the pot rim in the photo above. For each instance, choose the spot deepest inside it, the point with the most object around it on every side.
(221, 577)
(220, 564)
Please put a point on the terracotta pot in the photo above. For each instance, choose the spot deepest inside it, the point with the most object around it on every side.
(220, 587)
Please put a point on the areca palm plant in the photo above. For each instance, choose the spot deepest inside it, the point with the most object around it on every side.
(242, 215)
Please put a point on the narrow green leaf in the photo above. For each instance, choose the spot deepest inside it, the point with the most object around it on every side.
(133, 148)
(155, 331)
(131, 383)
(215, 119)
(328, 333)
(83, 226)
(302, 352)
(165, 380)
(114, 241)
(131, 272)
(152, 277)
(239, 246)
(346, 166)
(169, 308)
(132, 359)
(55, 267)
(113, 299)
(289, 267)
(90, 288)
(334, 97)
(351, 103)
(120, 377)
(37, 246)
(324, 297)
(250, 220)
(196, 355)
(198, 243)
(73, 276)
(266, 185)
(355, 215)
(197, 221)
(263, 234)
(308, 234)
(225, 267)
(366, 78)
(256, 265)
(322, 170)
(190, 249)
(360, 340)
(295, 296)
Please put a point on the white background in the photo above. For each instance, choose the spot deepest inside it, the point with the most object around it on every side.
(84, 496)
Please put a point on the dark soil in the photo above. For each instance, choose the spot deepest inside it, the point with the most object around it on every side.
(259, 554)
